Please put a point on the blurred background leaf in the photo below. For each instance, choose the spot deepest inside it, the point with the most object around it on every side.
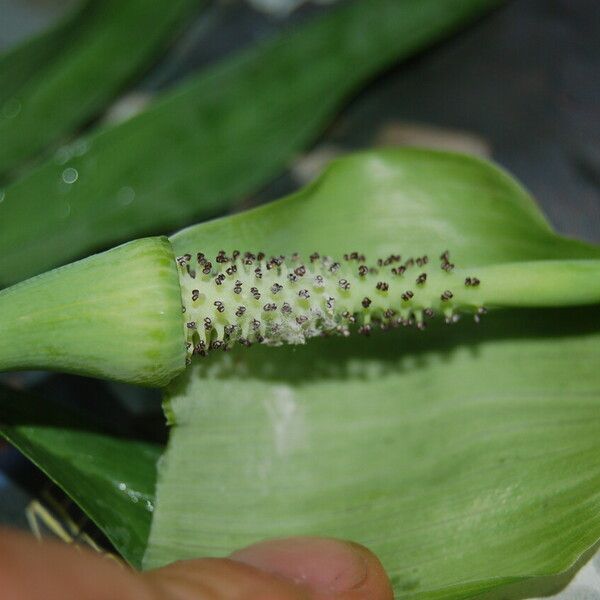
(24, 61)
(215, 138)
(58, 81)
(111, 476)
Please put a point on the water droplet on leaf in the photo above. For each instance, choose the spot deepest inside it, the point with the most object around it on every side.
(70, 175)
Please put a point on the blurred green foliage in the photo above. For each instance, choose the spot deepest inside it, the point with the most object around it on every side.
(213, 139)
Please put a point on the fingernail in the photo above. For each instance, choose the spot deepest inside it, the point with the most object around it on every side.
(321, 565)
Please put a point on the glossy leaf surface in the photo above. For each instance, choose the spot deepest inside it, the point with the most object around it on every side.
(109, 476)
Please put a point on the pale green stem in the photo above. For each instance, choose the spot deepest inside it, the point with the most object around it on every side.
(114, 315)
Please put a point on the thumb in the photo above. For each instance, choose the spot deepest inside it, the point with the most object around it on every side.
(288, 569)
(292, 569)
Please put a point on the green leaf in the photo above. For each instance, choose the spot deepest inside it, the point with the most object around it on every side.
(110, 477)
(218, 136)
(467, 457)
(22, 62)
(63, 78)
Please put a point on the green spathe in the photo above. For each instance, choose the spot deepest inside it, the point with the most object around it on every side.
(466, 456)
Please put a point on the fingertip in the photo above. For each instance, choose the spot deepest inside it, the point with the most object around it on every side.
(328, 568)
(377, 585)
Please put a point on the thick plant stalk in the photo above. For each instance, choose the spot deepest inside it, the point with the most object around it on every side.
(138, 313)
(115, 315)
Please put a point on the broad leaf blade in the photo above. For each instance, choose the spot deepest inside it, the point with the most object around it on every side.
(107, 44)
(111, 478)
(466, 457)
(216, 137)
(461, 459)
